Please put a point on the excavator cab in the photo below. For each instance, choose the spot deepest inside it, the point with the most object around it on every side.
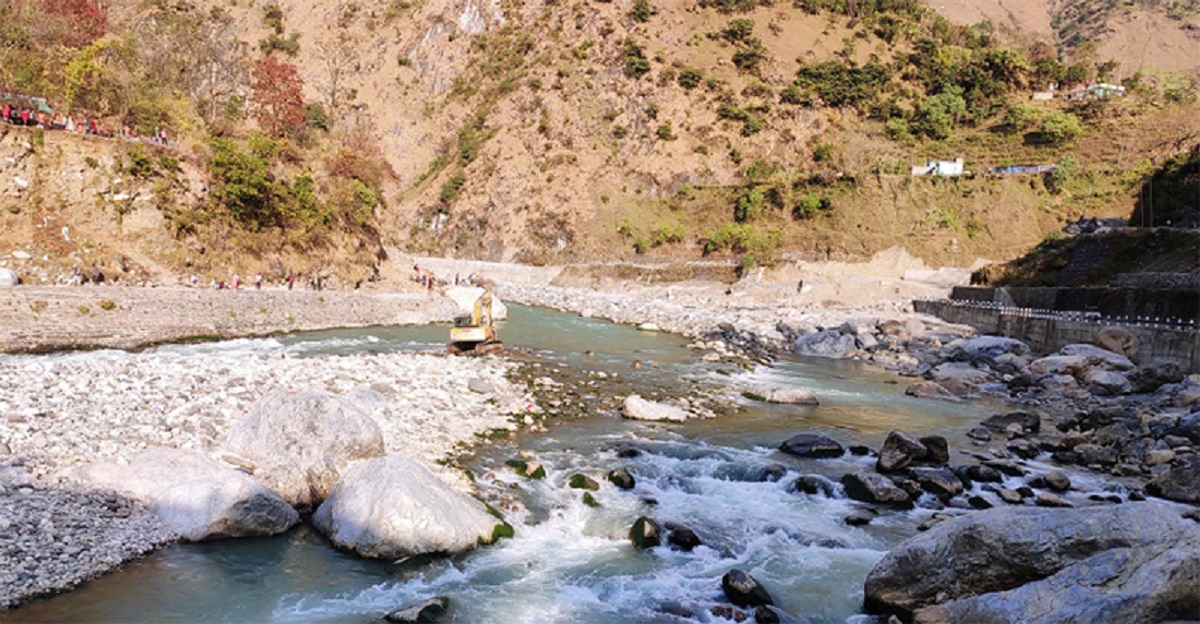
(476, 333)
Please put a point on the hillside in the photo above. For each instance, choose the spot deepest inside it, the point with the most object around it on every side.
(309, 136)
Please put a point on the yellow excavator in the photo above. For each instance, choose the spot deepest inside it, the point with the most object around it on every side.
(476, 334)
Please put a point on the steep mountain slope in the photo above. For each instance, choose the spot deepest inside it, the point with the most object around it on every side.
(591, 129)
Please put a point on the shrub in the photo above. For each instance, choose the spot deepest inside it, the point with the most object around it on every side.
(823, 153)
(636, 64)
(690, 78)
(665, 132)
(244, 184)
(839, 84)
(750, 58)
(738, 31)
(792, 94)
(451, 188)
(897, 129)
(642, 11)
(1058, 128)
(669, 234)
(809, 206)
(106, 304)
(1064, 170)
(749, 204)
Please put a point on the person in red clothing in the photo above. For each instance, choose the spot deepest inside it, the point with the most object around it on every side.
(24, 116)
(5, 112)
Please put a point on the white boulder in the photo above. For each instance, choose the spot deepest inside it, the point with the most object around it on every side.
(8, 278)
(785, 394)
(196, 497)
(466, 296)
(1098, 356)
(637, 408)
(393, 507)
(299, 441)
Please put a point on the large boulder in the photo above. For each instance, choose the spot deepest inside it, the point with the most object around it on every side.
(1069, 365)
(813, 445)
(987, 348)
(234, 506)
(1107, 383)
(1097, 356)
(960, 372)
(787, 395)
(872, 487)
(744, 590)
(465, 297)
(393, 507)
(196, 497)
(829, 343)
(1133, 563)
(1118, 340)
(425, 612)
(1180, 482)
(637, 408)
(8, 279)
(930, 390)
(900, 450)
(300, 441)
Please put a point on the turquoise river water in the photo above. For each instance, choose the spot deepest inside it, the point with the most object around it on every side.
(569, 562)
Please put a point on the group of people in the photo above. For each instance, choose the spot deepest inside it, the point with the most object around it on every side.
(26, 116)
(80, 277)
(430, 281)
(313, 281)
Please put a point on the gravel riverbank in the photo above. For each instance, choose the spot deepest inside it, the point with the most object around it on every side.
(62, 411)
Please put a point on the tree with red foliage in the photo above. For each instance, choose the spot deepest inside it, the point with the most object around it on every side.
(74, 23)
(278, 96)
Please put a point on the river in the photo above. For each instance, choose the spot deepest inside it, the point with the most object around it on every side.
(570, 562)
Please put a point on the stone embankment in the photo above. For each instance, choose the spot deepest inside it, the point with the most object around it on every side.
(49, 318)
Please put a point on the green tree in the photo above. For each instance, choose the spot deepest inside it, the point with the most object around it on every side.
(939, 114)
(1060, 128)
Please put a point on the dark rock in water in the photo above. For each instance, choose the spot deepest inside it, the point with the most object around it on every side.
(984, 474)
(1137, 496)
(939, 449)
(872, 487)
(1138, 562)
(964, 475)
(766, 615)
(979, 502)
(772, 473)
(629, 453)
(1009, 468)
(677, 609)
(1058, 481)
(582, 482)
(933, 521)
(743, 590)
(980, 433)
(938, 481)
(1180, 482)
(1065, 457)
(815, 484)
(621, 478)
(681, 537)
(1030, 423)
(728, 612)
(1090, 454)
(424, 612)
(1025, 449)
(812, 445)
(579, 481)
(859, 450)
(1011, 497)
(899, 451)
(645, 533)
(859, 518)
(590, 500)
(1025, 491)
(911, 487)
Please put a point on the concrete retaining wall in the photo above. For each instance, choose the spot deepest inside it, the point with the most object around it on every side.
(1162, 303)
(1047, 333)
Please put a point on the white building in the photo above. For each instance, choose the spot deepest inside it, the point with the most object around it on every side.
(940, 168)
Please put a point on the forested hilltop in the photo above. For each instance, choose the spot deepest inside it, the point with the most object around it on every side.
(210, 136)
